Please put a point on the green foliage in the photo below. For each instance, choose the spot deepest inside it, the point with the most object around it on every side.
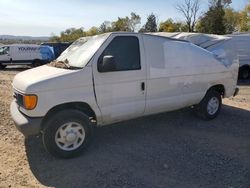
(151, 25)
(244, 19)
(105, 27)
(171, 26)
(134, 21)
(69, 35)
(213, 20)
(219, 19)
(231, 20)
(128, 24)
(122, 24)
(222, 19)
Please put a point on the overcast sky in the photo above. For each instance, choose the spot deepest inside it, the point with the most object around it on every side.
(42, 18)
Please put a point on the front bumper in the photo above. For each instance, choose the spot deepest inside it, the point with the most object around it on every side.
(26, 125)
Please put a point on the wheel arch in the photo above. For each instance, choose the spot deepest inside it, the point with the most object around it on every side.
(36, 60)
(243, 68)
(219, 88)
(246, 66)
(81, 106)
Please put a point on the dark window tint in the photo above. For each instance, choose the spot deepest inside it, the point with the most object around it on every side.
(4, 50)
(125, 51)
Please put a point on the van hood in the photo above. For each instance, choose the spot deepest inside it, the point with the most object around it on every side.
(45, 78)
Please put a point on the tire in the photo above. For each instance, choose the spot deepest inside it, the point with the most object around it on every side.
(210, 106)
(244, 73)
(2, 66)
(67, 133)
(36, 63)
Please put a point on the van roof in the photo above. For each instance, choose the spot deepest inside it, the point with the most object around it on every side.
(149, 34)
(28, 45)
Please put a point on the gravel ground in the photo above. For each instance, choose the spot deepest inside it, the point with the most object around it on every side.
(174, 149)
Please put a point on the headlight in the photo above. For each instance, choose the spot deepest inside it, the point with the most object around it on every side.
(29, 101)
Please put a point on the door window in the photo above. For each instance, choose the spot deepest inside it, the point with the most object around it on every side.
(126, 53)
(4, 50)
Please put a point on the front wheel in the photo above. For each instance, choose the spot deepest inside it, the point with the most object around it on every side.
(67, 133)
(210, 105)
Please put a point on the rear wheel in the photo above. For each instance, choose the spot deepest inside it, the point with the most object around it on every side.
(2, 67)
(36, 63)
(210, 105)
(244, 73)
(67, 133)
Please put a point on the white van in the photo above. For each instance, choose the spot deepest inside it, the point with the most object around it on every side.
(25, 54)
(115, 77)
(242, 45)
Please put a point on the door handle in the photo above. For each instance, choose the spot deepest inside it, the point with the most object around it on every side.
(143, 86)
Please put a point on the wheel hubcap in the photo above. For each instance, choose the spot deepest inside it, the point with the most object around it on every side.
(70, 136)
(213, 106)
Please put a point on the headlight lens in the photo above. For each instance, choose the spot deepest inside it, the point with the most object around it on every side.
(29, 101)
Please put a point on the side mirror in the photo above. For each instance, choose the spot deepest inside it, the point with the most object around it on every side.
(107, 64)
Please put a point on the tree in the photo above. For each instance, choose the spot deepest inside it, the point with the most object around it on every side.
(190, 10)
(71, 34)
(122, 24)
(231, 20)
(105, 27)
(92, 31)
(171, 26)
(213, 20)
(127, 24)
(151, 25)
(244, 17)
(134, 21)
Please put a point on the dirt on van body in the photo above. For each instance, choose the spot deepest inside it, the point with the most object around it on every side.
(174, 149)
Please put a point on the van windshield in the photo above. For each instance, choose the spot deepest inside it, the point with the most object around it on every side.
(81, 55)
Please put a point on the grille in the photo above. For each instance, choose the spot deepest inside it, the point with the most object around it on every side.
(19, 98)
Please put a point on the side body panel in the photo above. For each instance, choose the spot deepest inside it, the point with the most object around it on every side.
(180, 73)
(21, 53)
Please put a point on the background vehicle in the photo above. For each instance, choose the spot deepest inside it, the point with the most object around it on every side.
(25, 54)
(235, 46)
(58, 47)
(116, 77)
(242, 41)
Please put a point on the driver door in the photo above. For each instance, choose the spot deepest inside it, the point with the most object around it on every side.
(5, 54)
(120, 92)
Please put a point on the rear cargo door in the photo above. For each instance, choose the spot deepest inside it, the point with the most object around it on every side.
(120, 93)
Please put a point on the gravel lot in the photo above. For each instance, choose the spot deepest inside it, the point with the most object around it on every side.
(174, 149)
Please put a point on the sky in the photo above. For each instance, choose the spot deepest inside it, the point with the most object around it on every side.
(47, 17)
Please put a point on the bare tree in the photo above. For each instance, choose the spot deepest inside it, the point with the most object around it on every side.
(190, 10)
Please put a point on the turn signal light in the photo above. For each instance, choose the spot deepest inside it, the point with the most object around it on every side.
(29, 101)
